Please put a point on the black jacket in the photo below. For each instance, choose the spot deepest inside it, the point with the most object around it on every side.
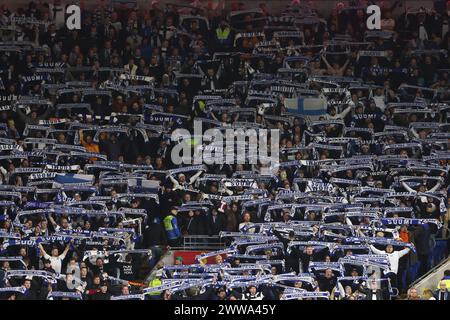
(442, 295)
(207, 295)
(292, 257)
(154, 235)
(214, 227)
(381, 294)
(30, 294)
(112, 149)
(101, 296)
(422, 240)
(195, 226)
(326, 284)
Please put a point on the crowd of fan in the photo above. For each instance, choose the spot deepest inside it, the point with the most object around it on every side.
(90, 193)
(439, 293)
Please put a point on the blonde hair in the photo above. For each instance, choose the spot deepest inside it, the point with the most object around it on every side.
(427, 294)
(409, 292)
(202, 261)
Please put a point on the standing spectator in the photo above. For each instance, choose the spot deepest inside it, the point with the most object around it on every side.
(216, 222)
(88, 143)
(374, 292)
(56, 259)
(422, 238)
(172, 229)
(394, 257)
(246, 221)
(154, 234)
(130, 67)
(445, 279)
(327, 281)
(442, 293)
(231, 215)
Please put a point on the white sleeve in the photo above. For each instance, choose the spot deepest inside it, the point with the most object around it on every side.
(375, 250)
(175, 182)
(195, 177)
(414, 132)
(227, 191)
(401, 253)
(408, 188)
(341, 290)
(344, 113)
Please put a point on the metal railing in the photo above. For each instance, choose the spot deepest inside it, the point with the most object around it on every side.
(443, 260)
(432, 277)
(200, 243)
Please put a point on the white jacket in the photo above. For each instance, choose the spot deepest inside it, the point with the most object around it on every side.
(131, 70)
(248, 296)
(393, 257)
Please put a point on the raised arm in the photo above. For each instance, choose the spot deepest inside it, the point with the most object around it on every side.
(403, 252)
(195, 177)
(213, 116)
(326, 62)
(219, 72)
(376, 251)
(281, 238)
(414, 133)
(3, 171)
(80, 133)
(341, 290)
(408, 188)
(342, 69)
(175, 182)
(43, 252)
(52, 221)
(348, 221)
(66, 249)
(344, 112)
(445, 220)
(227, 191)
